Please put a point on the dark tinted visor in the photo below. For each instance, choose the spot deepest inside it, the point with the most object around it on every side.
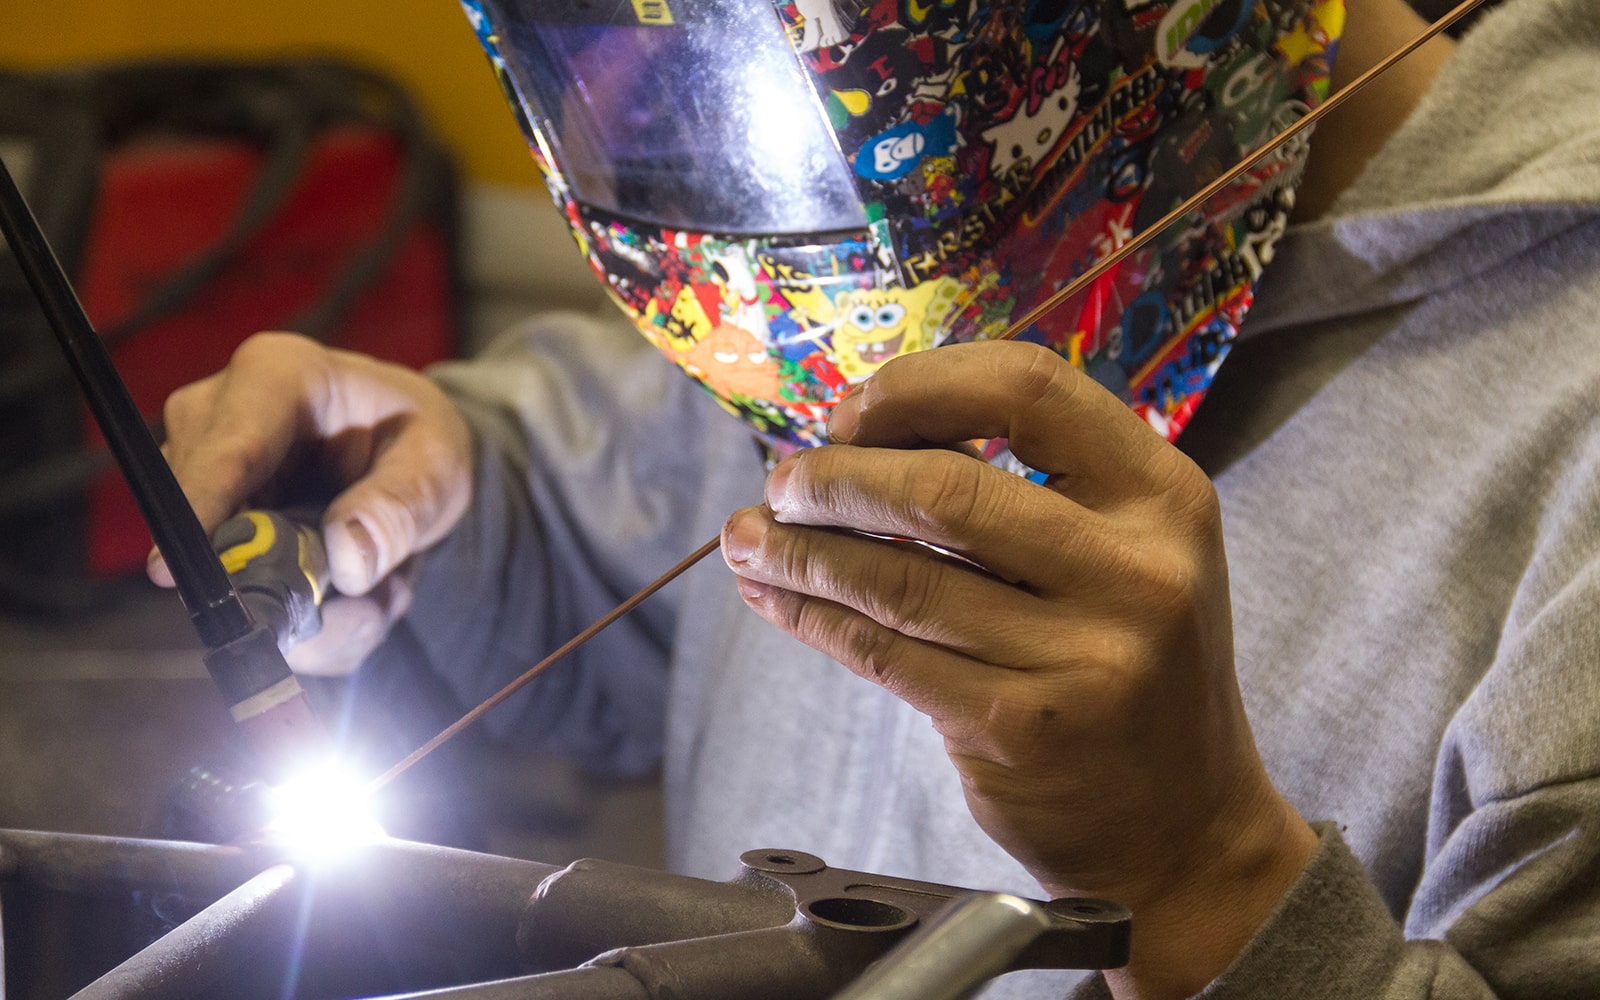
(692, 114)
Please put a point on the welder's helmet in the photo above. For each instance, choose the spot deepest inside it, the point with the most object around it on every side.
(785, 194)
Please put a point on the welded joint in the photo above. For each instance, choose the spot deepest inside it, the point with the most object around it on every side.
(1081, 933)
(594, 907)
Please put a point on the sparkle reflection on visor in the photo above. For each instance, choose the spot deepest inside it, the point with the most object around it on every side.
(702, 120)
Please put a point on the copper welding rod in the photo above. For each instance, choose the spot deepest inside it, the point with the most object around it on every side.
(1194, 201)
(1033, 316)
(539, 668)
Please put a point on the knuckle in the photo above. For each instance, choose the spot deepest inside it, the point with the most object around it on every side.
(1163, 580)
(182, 410)
(1164, 577)
(787, 610)
(946, 501)
(1177, 584)
(1191, 497)
(270, 347)
(179, 403)
(440, 501)
(809, 619)
(1203, 507)
(1122, 665)
(905, 593)
(1110, 677)
(791, 552)
(867, 649)
(439, 463)
(239, 456)
(1041, 378)
(874, 652)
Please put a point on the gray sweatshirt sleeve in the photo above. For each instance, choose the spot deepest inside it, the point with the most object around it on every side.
(1528, 929)
(587, 468)
(1508, 904)
(1517, 901)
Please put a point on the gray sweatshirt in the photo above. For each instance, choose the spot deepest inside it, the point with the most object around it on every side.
(1407, 449)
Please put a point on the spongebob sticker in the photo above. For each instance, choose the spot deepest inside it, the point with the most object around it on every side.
(870, 326)
(873, 331)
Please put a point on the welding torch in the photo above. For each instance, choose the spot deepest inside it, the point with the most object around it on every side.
(281, 568)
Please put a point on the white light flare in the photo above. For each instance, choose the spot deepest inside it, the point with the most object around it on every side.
(783, 129)
(323, 811)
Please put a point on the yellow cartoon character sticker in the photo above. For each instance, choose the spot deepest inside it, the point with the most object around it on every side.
(870, 326)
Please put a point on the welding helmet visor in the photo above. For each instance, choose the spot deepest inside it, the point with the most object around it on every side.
(699, 119)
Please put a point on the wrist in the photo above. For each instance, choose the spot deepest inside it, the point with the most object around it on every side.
(1191, 933)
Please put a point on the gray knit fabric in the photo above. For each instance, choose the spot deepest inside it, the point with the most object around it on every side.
(1407, 448)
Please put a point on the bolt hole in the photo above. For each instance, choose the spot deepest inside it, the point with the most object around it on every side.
(1085, 908)
(852, 911)
(779, 859)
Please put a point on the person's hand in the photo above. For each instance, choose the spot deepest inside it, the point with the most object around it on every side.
(1077, 658)
(389, 438)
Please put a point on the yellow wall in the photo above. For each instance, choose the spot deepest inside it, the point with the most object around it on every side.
(426, 44)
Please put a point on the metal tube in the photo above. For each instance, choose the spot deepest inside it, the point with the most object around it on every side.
(780, 963)
(194, 958)
(797, 962)
(593, 906)
(457, 907)
(5, 870)
(788, 928)
(98, 866)
(464, 892)
(573, 984)
(973, 940)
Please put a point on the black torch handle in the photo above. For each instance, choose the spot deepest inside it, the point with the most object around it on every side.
(219, 616)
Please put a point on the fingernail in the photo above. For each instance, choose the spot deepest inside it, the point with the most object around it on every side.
(745, 532)
(749, 589)
(778, 485)
(365, 545)
(156, 569)
(845, 416)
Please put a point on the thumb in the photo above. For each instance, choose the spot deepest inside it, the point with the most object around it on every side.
(352, 627)
(413, 495)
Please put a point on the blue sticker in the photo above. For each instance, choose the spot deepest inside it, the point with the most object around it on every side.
(895, 152)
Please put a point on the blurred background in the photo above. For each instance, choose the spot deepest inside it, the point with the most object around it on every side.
(515, 244)
(205, 170)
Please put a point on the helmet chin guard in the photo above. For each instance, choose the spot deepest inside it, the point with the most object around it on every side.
(784, 197)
